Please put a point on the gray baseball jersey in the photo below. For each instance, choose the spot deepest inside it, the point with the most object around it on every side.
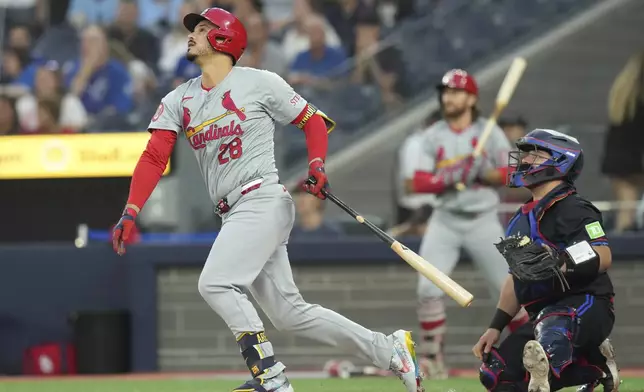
(463, 220)
(231, 126)
(411, 157)
(444, 146)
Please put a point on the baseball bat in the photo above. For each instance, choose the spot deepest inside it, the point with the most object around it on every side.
(440, 279)
(503, 97)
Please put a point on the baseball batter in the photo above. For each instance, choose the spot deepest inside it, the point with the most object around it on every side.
(461, 219)
(228, 116)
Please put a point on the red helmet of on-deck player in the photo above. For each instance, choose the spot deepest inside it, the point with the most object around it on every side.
(459, 79)
(229, 34)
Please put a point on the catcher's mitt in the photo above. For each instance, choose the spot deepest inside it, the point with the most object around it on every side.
(531, 262)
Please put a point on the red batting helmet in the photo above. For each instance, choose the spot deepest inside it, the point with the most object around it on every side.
(459, 79)
(229, 34)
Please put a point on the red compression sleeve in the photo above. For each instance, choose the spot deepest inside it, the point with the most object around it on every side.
(426, 182)
(317, 138)
(149, 169)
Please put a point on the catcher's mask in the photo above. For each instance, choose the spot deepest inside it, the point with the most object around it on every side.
(544, 155)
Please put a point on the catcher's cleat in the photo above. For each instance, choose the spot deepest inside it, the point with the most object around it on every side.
(433, 369)
(536, 363)
(404, 363)
(272, 379)
(610, 380)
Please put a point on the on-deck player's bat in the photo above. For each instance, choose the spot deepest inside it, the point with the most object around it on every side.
(503, 97)
(444, 282)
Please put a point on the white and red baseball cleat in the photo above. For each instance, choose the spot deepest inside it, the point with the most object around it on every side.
(404, 363)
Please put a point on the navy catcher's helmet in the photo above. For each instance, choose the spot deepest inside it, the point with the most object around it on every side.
(565, 162)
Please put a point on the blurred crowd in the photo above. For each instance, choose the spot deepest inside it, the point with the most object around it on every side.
(73, 66)
(102, 65)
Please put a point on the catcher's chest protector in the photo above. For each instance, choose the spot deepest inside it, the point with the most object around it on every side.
(526, 220)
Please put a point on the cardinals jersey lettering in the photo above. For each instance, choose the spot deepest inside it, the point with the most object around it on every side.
(444, 147)
(231, 126)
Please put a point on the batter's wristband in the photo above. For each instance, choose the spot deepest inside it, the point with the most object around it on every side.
(500, 320)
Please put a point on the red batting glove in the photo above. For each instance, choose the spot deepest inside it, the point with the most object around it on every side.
(317, 179)
(122, 230)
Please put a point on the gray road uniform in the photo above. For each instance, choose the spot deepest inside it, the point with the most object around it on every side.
(230, 128)
(461, 220)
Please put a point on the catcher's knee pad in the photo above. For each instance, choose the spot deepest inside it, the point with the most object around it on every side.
(495, 376)
(555, 330)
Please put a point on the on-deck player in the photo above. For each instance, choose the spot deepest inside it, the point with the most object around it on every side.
(228, 116)
(462, 219)
(559, 346)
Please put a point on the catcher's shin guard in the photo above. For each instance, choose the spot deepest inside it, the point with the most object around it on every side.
(555, 328)
(257, 351)
(491, 369)
(495, 375)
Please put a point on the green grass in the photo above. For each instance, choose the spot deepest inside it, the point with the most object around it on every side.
(205, 385)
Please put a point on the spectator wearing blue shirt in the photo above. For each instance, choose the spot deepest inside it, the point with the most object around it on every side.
(316, 66)
(93, 11)
(14, 69)
(184, 71)
(20, 43)
(27, 77)
(102, 83)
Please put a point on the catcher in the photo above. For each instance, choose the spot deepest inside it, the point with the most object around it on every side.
(558, 256)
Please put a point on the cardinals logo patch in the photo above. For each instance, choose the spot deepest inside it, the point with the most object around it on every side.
(228, 104)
